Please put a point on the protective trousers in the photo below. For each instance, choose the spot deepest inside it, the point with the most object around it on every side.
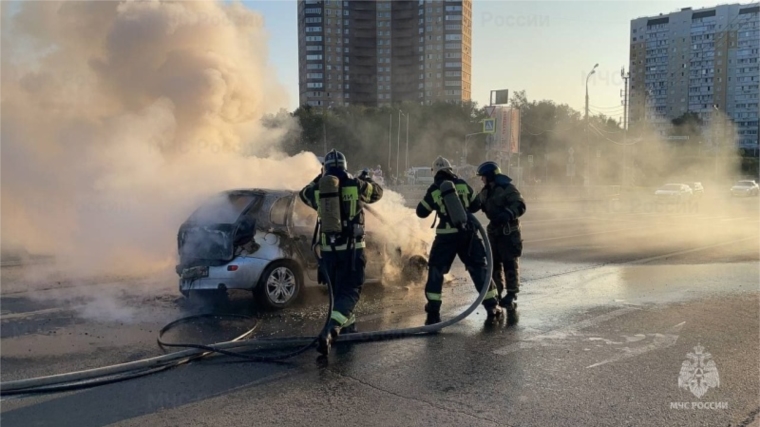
(471, 251)
(506, 249)
(347, 281)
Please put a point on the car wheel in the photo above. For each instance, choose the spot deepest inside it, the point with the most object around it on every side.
(279, 285)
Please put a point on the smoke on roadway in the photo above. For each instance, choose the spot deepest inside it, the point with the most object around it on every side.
(120, 118)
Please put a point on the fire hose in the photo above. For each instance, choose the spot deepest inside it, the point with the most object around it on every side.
(119, 372)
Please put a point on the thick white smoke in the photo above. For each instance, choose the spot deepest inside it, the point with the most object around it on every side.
(119, 117)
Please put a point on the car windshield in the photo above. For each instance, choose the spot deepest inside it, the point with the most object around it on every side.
(671, 187)
(222, 209)
(744, 184)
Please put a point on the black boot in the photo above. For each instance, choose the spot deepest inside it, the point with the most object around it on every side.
(508, 302)
(494, 314)
(433, 315)
(327, 337)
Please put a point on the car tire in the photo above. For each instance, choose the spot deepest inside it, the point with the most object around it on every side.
(280, 285)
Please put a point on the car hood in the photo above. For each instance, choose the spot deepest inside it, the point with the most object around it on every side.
(741, 188)
(666, 192)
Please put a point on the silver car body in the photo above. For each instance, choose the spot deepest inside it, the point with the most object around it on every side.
(673, 192)
(745, 188)
(283, 234)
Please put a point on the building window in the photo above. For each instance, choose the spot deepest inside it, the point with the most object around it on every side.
(313, 57)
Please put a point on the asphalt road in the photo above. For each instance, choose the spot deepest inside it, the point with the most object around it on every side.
(614, 298)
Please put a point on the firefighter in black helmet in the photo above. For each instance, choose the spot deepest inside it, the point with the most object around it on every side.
(341, 241)
(503, 205)
(451, 242)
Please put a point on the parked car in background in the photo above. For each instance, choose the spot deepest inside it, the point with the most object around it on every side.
(260, 240)
(420, 175)
(674, 192)
(745, 188)
(697, 189)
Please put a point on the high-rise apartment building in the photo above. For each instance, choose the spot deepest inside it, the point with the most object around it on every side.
(380, 52)
(698, 61)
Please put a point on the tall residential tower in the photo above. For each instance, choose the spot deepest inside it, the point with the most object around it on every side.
(698, 61)
(373, 53)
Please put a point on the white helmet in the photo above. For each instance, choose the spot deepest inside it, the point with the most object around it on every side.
(440, 164)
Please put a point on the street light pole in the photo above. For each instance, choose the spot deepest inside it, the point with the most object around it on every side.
(407, 143)
(390, 132)
(715, 136)
(398, 142)
(588, 142)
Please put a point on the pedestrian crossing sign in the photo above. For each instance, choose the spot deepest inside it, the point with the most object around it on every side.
(489, 125)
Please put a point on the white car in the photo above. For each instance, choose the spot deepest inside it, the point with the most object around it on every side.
(745, 188)
(260, 240)
(674, 192)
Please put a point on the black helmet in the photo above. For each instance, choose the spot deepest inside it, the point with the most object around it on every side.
(336, 159)
(488, 170)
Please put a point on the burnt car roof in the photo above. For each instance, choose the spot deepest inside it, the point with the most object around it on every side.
(260, 191)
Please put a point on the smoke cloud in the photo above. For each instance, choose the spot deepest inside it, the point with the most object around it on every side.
(120, 117)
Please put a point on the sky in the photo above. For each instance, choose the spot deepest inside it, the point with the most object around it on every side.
(546, 48)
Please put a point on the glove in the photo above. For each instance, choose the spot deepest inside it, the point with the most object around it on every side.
(505, 217)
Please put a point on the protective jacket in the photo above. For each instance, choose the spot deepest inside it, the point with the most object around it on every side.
(433, 201)
(503, 204)
(354, 193)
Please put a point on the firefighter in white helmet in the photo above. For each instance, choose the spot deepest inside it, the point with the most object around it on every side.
(453, 240)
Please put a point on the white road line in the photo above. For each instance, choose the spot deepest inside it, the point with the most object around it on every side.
(660, 341)
(34, 313)
(687, 251)
(737, 219)
(567, 330)
(581, 235)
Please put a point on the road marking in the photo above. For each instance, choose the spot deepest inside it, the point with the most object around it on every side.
(737, 219)
(660, 341)
(581, 235)
(35, 313)
(564, 331)
(561, 332)
(687, 251)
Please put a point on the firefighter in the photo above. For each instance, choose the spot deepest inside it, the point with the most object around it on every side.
(451, 242)
(338, 198)
(503, 205)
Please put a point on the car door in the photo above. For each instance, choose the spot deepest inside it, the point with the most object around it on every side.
(301, 222)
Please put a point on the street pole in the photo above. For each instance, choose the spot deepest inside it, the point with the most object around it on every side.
(390, 132)
(625, 124)
(398, 142)
(407, 143)
(588, 142)
(324, 131)
(715, 136)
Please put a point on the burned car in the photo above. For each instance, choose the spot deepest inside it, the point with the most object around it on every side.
(261, 240)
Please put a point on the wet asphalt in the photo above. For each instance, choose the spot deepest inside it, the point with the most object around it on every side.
(614, 297)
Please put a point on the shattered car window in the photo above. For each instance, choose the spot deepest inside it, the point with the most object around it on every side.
(279, 212)
(222, 209)
(303, 216)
